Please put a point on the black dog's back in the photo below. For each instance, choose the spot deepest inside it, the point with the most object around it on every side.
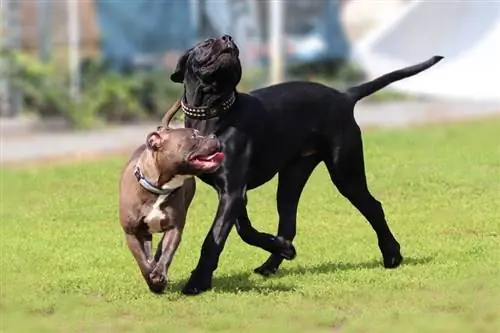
(296, 116)
(300, 109)
(305, 93)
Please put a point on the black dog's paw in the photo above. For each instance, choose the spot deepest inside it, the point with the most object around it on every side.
(393, 261)
(287, 250)
(391, 254)
(266, 269)
(270, 266)
(196, 285)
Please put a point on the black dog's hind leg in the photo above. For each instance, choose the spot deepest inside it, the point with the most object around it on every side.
(278, 246)
(291, 182)
(345, 163)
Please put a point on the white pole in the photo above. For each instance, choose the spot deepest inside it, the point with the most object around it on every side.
(74, 49)
(4, 81)
(276, 40)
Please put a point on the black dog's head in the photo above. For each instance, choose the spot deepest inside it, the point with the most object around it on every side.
(212, 65)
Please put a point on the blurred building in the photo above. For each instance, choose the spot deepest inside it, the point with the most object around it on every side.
(136, 32)
(143, 33)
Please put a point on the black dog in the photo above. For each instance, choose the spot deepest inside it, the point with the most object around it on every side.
(287, 129)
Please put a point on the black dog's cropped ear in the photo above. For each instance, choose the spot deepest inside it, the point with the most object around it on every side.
(178, 74)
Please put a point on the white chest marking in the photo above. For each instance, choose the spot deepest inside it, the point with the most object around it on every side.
(156, 215)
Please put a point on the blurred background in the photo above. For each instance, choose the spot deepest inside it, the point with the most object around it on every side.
(70, 65)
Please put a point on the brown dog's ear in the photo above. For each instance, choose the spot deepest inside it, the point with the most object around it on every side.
(178, 74)
(154, 140)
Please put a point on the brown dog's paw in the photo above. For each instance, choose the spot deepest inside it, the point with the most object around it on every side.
(157, 282)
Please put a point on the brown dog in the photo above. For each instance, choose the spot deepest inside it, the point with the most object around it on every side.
(156, 189)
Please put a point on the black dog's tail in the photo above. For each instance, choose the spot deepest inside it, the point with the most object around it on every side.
(358, 92)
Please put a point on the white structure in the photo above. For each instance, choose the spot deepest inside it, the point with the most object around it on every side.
(466, 33)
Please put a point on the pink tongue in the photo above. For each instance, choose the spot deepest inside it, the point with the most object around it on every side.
(217, 157)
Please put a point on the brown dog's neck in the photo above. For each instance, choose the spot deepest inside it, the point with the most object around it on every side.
(149, 169)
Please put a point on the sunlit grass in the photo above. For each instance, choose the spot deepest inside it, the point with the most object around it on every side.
(65, 266)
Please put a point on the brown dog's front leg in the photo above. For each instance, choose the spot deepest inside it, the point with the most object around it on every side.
(148, 244)
(163, 258)
(136, 244)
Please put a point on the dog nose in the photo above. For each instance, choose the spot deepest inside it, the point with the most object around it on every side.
(227, 38)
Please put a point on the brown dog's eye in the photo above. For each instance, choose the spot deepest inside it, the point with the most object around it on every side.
(196, 134)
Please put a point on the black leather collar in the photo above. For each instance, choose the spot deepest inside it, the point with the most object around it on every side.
(204, 112)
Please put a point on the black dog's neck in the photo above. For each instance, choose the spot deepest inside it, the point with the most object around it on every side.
(203, 96)
(205, 102)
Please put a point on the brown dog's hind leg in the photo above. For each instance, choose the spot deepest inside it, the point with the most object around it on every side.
(345, 164)
(163, 258)
(291, 182)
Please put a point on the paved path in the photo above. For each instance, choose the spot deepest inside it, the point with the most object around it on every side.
(21, 143)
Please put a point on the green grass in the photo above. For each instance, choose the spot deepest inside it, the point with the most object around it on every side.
(65, 266)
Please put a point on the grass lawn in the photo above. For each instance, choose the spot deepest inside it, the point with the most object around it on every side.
(65, 266)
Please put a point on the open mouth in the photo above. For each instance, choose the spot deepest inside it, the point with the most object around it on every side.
(207, 162)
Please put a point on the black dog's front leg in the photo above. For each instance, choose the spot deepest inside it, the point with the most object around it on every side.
(230, 182)
(230, 205)
(231, 210)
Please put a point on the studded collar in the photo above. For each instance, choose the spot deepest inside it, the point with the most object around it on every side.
(204, 112)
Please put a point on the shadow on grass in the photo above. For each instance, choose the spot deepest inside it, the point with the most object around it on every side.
(329, 267)
(241, 282)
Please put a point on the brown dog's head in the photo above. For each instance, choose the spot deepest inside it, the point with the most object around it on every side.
(212, 65)
(183, 151)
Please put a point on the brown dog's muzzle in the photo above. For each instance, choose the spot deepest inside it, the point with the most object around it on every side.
(208, 155)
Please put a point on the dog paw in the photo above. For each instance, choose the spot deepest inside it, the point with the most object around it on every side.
(269, 267)
(393, 261)
(266, 270)
(197, 285)
(157, 282)
(287, 250)
(391, 254)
